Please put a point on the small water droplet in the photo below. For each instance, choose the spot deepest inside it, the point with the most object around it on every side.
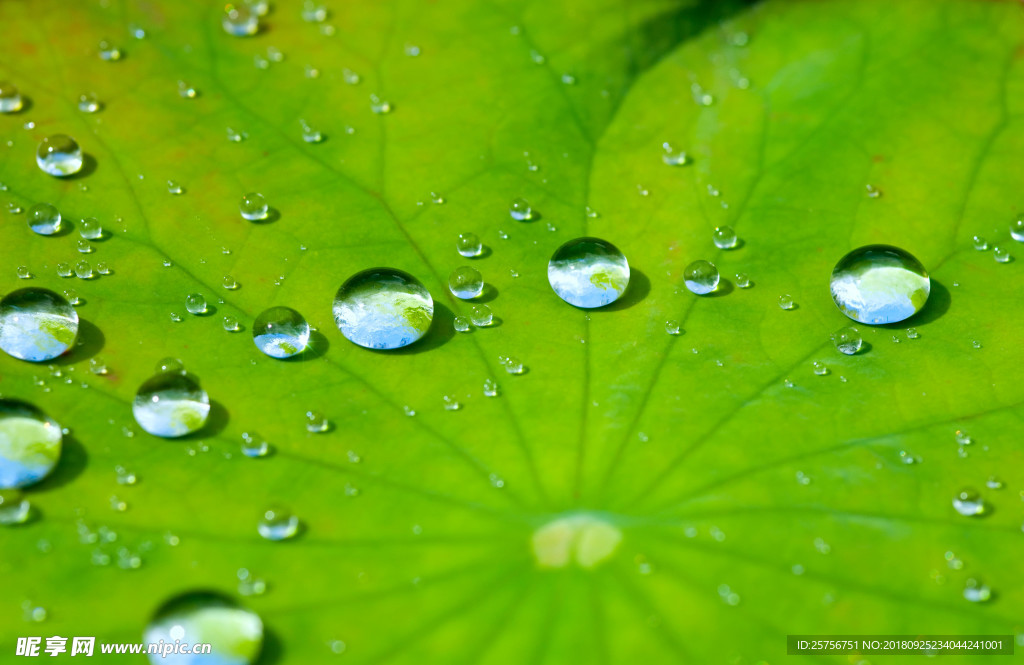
(879, 284)
(977, 592)
(102, 268)
(820, 369)
(520, 210)
(674, 157)
(59, 155)
(1017, 229)
(309, 133)
(512, 364)
(231, 324)
(742, 280)
(994, 483)
(379, 106)
(88, 103)
(349, 76)
(872, 191)
(316, 422)
(11, 100)
(725, 237)
(969, 502)
(229, 283)
(44, 219)
(701, 277)
(195, 303)
(450, 403)
(90, 229)
(174, 188)
(786, 302)
(490, 388)
(461, 324)
(254, 445)
(254, 207)
(187, 91)
(465, 283)
(672, 327)
(980, 243)
(313, 12)
(481, 315)
(1001, 254)
(847, 340)
(14, 507)
(469, 245)
(109, 52)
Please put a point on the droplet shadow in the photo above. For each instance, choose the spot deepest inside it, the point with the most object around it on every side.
(72, 462)
(90, 342)
(317, 347)
(489, 293)
(273, 649)
(638, 289)
(939, 301)
(273, 214)
(442, 329)
(724, 288)
(89, 166)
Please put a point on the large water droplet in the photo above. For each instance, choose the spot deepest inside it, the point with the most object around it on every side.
(466, 282)
(588, 272)
(44, 219)
(90, 229)
(201, 617)
(701, 277)
(36, 324)
(195, 303)
(30, 444)
(254, 207)
(383, 308)
(59, 155)
(1017, 229)
(10, 98)
(171, 404)
(280, 332)
(879, 284)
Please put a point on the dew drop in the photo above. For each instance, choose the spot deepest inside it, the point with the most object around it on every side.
(313, 12)
(316, 422)
(44, 219)
(879, 284)
(187, 91)
(254, 207)
(195, 304)
(83, 270)
(820, 369)
(672, 327)
(379, 106)
(786, 302)
(481, 315)
(520, 210)
(59, 155)
(88, 103)
(912, 333)
(234, 633)
(254, 445)
(90, 229)
(278, 523)
(465, 283)
(30, 444)
(469, 245)
(280, 332)
(725, 237)
(701, 277)
(588, 272)
(969, 502)
(36, 324)
(977, 592)
(310, 134)
(14, 507)
(673, 157)
(1017, 229)
(171, 404)
(231, 324)
(461, 324)
(490, 388)
(23, 272)
(383, 308)
(512, 365)
(11, 100)
(1001, 254)
(980, 243)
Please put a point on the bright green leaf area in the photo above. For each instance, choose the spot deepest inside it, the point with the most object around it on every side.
(634, 496)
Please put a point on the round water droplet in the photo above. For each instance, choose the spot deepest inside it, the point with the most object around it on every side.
(36, 324)
(254, 445)
(977, 592)
(383, 308)
(195, 303)
(108, 51)
(461, 324)
(1017, 229)
(240, 20)
(481, 316)
(520, 210)
(701, 277)
(742, 280)
(10, 98)
(674, 157)
(1001, 254)
(469, 245)
(879, 284)
(672, 327)
(316, 422)
(847, 340)
(588, 272)
(466, 283)
(83, 270)
(725, 237)
(30, 444)
(235, 634)
(88, 103)
(231, 324)
(44, 219)
(14, 508)
(90, 229)
(969, 502)
(980, 243)
(820, 369)
(171, 404)
(786, 301)
(254, 207)
(490, 388)
(278, 523)
(24, 273)
(280, 332)
(59, 155)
